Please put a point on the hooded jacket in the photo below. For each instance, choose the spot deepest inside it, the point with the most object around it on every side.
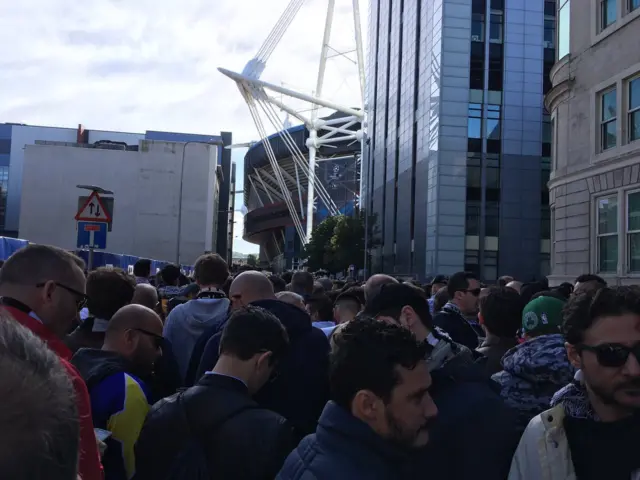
(301, 389)
(89, 466)
(345, 448)
(533, 372)
(120, 403)
(188, 321)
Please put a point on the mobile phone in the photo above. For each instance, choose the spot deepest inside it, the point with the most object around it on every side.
(101, 434)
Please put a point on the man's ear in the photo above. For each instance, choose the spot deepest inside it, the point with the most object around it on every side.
(366, 406)
(264, 360)
(573, 355)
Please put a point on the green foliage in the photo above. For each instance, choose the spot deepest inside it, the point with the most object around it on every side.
(318, 250)
(252, 260)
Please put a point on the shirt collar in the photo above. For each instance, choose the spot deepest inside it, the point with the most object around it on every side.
(228, 376)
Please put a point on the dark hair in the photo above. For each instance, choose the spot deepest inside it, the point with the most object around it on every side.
(528, 290)
(365, 356)
(318, 289)
(210, 269)
(142, 268)
(440, 299)
(550, 293)
(589, 277)
(502, 281)
(286, 276)
(322, 306)
(108, 290)
(253, 330)
(227, 286)
(278, 284)
(584, 309)
(501, 311)
(565, 289)
(459, 282)
(40, 426)
(170, 274)
(418, 289)
(302, 283)
(36, 264)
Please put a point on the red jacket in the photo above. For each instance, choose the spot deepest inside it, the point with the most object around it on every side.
(90, 467)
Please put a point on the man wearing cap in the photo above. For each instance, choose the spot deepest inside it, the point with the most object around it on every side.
(438, 282)
(539, 367)
(469, 408)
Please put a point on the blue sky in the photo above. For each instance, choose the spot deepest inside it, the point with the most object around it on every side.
(136, 65)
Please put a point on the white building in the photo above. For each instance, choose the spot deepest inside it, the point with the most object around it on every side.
(147, 200)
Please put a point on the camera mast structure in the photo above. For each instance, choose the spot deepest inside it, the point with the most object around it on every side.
(264, 99)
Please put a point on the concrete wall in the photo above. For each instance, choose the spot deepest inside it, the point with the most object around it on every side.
(582, 172)
(146, 188)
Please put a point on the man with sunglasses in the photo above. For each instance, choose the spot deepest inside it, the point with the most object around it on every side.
(114, 376)
(593, 427)
(457, 317)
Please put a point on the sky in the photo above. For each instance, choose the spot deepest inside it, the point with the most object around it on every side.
(137, 65)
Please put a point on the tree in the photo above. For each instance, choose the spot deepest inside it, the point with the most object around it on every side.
(252, 260)
(347, 242)
(318, 249)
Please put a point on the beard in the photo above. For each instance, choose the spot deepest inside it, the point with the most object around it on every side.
(402, 436)
(609, 395)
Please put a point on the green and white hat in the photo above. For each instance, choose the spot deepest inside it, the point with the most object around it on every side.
(542, 316)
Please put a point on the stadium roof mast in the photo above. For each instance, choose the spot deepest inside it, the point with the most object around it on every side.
(256, 94)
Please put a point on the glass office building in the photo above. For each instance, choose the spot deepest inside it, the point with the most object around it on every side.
(456, 159)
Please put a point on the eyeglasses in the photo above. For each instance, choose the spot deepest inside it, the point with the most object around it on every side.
(81, 298)
(158, 340)
(612, 355)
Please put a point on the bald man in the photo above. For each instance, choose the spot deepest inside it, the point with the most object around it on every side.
(375, 283)
(516, 285)
(146, 295)
(301, 389)
(119, 398)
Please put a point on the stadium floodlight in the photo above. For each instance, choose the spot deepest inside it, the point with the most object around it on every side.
(263, 98)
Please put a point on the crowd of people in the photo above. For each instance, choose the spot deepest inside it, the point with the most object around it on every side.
(107, 375)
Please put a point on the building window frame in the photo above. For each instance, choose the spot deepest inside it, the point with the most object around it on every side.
(631, 112)
(631, 7)
(604, 123)
(625, 13)
(628, 232)
(605, 20)
(599, 236)
(563, 48)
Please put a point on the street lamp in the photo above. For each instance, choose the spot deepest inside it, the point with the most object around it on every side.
(184, 151)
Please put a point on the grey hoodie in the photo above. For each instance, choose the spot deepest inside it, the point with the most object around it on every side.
(188, 321)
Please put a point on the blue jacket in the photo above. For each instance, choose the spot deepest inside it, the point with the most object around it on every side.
(301, 389)
(345, 448)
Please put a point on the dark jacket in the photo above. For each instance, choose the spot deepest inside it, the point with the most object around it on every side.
(198, 351)
(301, 388)
(492, 352)
(240, 439)
(475, 434)
(84, 337)
(457, 327)
(345, 448)
(120, 402)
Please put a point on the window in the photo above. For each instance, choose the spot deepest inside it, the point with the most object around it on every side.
(550, 8)
(564, 28)
(492, 217)
(633, 4)
(549, 32)
(495, 28)
(490, 271)
(633, 232)
(474, 124)
(607, 244)
(547, 129)
(496, 70)
(634, 109)
(472, 261)
(472, 223)
(493, 122)
(477, 28)
(608, 13)
(545, 223)
(476, 75)
(608, 120)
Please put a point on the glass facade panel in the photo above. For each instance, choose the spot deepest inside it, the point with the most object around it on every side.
(564, 28)
(633, 212)
(634, 109)
(608, 120)
(608, 234)
(474, 127)
(608, 12)
(633, 4)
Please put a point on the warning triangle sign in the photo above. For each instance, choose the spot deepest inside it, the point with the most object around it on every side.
(93, 210)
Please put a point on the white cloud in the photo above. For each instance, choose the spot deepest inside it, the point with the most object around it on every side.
(152, 64)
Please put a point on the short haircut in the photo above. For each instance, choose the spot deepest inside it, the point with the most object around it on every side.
(108, 290)
(302, 283)
(459, 282)
(355, 292)
(440, 299)
(550, 293)
(318, 289)
(36, 264)
(170, 274)
(142, 268)
(374, 284)
(589, 277)
(286, 276)
(322, 306)
(528, 290)
(211, 269)
(584, 309)
(278, 283)
(365, 356)
(502, 281)
(251, 331)
(326, 283)
(501, 311)
(40, 422)
(350, 300)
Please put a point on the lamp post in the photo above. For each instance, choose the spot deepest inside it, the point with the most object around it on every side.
(184, 151)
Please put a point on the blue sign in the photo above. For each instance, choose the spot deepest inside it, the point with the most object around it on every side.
(92, 235)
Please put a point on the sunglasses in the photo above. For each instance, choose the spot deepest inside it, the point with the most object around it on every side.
(158, 340)
(612, 355)
(81, 298)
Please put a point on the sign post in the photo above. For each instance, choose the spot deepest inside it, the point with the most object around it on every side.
(92, 225)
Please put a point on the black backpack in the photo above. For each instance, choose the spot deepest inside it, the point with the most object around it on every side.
(191, 462)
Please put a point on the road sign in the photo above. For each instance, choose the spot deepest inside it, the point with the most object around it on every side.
(107, 202)
(93, 210)
(92, 235)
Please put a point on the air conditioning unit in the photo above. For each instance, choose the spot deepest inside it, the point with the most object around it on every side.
(475, 38)
(548, 44)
